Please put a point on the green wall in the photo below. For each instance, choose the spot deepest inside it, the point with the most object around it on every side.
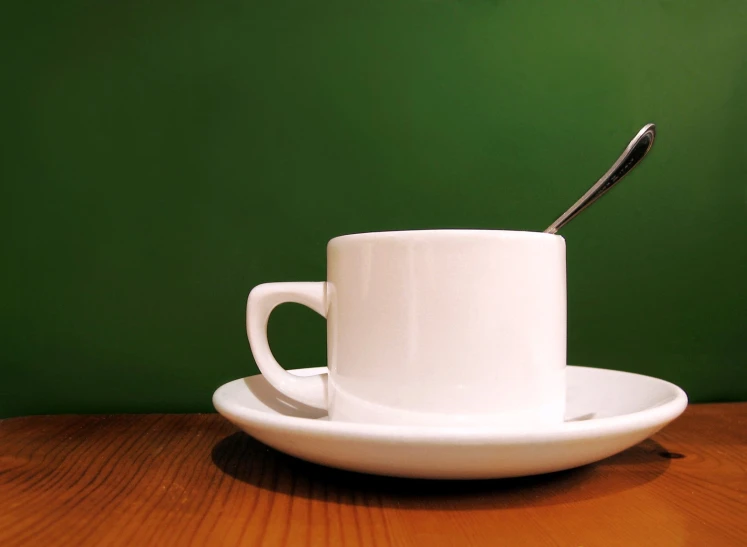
(158, 159)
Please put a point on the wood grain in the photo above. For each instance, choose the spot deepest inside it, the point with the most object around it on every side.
(195, 480)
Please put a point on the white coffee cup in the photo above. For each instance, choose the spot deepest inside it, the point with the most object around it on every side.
(432, 327)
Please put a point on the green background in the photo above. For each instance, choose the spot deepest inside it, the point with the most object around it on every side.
(158, 159)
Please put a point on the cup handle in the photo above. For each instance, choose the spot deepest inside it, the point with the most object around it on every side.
(310, 390)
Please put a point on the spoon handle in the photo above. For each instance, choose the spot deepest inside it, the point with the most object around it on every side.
(632, 156)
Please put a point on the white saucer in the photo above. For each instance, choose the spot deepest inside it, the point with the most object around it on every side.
(608, 411)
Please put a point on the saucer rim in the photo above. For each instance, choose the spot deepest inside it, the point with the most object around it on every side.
(651, 417)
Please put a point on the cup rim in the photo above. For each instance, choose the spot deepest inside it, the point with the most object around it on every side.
(446, 233)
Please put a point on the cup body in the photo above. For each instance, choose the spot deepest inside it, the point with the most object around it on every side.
(445, 327)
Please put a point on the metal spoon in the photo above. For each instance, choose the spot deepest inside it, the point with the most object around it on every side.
(632, 156)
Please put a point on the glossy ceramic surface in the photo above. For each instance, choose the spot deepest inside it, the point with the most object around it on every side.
(432, 327)
(607, 412)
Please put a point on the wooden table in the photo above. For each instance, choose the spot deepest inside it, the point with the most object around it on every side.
(141, 480)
